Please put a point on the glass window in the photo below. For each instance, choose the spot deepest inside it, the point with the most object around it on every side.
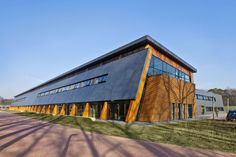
(96, 81)
(51, 92)
(93, 81)
(87, 83)
(152, 62)
(72, 87)
(177, 73)
(187, 78)
(164, 67)
(150, 72)
(157, 67)
(158, 63)
(82, 84)
(173, 112)
(155, 71)
(104, 78)
(77, 85)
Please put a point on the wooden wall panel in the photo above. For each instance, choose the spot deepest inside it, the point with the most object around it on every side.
(151, 110)
(160, 92)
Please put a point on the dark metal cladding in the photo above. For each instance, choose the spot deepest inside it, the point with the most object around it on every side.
(124, 49)
(122, 84)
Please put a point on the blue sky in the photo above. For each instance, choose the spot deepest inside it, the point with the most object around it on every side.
(42, 39)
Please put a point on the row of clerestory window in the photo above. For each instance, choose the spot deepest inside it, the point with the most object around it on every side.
(81, 84)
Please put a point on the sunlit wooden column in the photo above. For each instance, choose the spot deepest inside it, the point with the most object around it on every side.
(48, 109)
(134, 104)
(43, 109)
(34, 109)
(87, 110)
(55, 110)
(74, 110)
(105, 114)
(63, 110)
(38, 109)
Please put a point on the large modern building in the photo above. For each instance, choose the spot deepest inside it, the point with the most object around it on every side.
(207, 102)
(140, 81)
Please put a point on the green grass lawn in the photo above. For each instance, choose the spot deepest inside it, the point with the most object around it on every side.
(206, 134)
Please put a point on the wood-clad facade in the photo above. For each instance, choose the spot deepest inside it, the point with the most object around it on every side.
(141, 81)
(161, 93)
(166, 98)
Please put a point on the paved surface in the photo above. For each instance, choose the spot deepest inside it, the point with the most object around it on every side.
(22, 136)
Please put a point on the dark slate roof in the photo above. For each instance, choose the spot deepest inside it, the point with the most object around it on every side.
(123, 81)
(124, 49)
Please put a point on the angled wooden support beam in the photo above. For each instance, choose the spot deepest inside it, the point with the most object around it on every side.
(74, 110)
(43, 110)
(55, 110)
(39, 108)
(134, 104)
(105, 114)
(87, 110)
(63, 110)
(34, 109)
(48, 109)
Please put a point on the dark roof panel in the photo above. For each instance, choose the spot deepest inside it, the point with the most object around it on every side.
(123, 81)
(124, 49)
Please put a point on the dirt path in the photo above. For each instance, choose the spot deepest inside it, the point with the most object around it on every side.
(22, 136)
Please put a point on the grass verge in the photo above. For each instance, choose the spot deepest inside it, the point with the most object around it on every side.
(216, 135)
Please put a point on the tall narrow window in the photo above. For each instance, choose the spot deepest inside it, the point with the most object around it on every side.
(190, 111)
(179, 111)
(173, 112)
(183, 111)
